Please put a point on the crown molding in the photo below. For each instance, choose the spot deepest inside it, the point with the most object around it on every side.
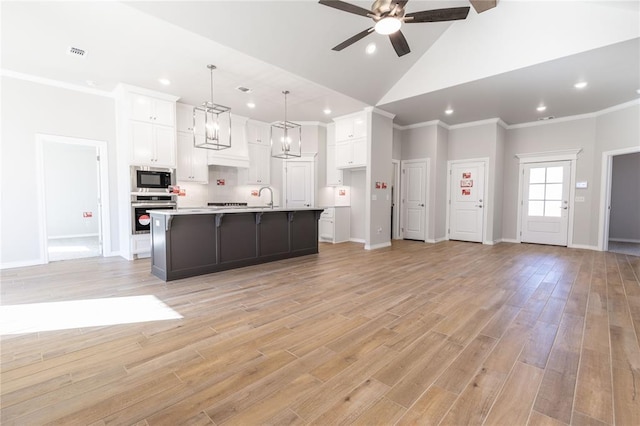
(55, 83)
(380, 112)
(476, 123)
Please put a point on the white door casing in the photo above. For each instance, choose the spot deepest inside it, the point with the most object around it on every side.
(298, 183)
(545, 203)
(467, 201)
(414, 196)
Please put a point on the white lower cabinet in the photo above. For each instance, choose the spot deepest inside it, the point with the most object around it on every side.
(141, 245)
(192, 161)
(334, 225)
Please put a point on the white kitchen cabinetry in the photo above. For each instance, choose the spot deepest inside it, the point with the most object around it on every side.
(258, 132)
(152, 145)
(335, 176)
(259, 164)
(238, 154)
(152, 110)
(334, 224)
(351, 154)
(351, 127)
(192, 161)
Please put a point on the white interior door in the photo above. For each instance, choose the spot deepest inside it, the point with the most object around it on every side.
(466, 214)
(545, 203)
(414, 183)
(299, 184)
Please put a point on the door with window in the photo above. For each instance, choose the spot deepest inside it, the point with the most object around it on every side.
(466, 217)
(545, 203)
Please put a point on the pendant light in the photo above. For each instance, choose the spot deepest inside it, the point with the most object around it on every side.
(286, 137)
(212, 123)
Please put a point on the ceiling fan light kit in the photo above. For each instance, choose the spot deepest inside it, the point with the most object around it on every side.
(217, 123)
(389, 15)
(286, 137)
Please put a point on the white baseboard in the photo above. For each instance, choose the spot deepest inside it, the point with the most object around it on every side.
(435, 240)
(624, 240)
(509, 240)
(583, 247)
(357, 240)
(377, 246)
(22, 263)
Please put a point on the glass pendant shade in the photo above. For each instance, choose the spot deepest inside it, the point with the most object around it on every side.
(212, 123)
(286, 137)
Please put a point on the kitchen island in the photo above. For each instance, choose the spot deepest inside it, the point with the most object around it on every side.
(190, 242)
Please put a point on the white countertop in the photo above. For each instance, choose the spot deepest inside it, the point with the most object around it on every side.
(227, 210)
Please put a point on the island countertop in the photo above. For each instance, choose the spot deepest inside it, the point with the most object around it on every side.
(226, 210)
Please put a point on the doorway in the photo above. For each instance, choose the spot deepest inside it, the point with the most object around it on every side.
(414, 196)
(73, 217)
(467, 200)
(545, 203)
(620, 232)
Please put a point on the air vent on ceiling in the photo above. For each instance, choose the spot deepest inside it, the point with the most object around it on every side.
(551, 117)
(74, 51)
(243, 89)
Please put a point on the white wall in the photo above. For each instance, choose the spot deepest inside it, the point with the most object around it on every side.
(358, 200)
(30, 108)
(625, 198)
(71, 188)
(379, 169)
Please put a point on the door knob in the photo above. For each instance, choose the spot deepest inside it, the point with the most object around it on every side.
(421, 205)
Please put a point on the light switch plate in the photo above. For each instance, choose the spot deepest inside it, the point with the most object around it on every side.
(374, 197)
(581, 185)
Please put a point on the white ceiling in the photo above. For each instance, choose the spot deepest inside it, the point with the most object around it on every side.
(501, 63)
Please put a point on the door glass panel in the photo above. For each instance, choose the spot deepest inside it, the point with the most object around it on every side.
(536, 191)
(545, 191)
(554, 174)
(552, 208)
(537, 175)
(536, 208)
(554, 191)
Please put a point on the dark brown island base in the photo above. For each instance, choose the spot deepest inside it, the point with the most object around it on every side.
(186, 243)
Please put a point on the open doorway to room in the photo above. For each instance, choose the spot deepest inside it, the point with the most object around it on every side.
(72, 213)
(624, 205)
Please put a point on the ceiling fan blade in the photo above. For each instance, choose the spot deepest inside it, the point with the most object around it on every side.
(482, 5)
(346, 7)
(399, 43)
(437, 15)
(348, 42)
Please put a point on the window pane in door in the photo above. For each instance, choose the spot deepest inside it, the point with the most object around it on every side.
(536, 191)
(536, 208)
(554, 191)
(537, 175)
(552, 208)
(554, 174)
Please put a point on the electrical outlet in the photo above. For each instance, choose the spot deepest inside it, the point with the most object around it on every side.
(379, 230)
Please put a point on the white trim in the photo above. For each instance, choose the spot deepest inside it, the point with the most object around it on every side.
(122, 88)
(475, 123)
(436, 240)
(547, 156)
(427, 177)
(583, 247)
(63, 237)
(552, 121)
(423, 124)
(377, 246)
(357, 240)
(625, 240)
(509, 241)
(485, 219)
(353, 114)
(302, 123)
(103, 168)
(397, 234)
(380, 112)
(605, 193)
(55, 83)
(618, 107)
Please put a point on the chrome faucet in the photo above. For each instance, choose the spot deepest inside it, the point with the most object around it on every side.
(270, 192)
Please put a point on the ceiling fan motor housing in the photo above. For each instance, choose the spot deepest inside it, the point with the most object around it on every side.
(382, 8)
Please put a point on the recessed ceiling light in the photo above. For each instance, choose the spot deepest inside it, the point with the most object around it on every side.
(371, 48)
(541, 108)
(638, 91)
(164, 81)
(327, 111)
(251, 105)
(448, 111)
(580, 85)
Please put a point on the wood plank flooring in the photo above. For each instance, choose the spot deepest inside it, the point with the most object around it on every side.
(451, 334)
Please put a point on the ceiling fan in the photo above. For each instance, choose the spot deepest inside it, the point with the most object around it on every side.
(389, 15)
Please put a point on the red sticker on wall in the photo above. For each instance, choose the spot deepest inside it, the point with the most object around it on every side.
(466, 192)
(87, 214)
(220, 182)
(466, 175)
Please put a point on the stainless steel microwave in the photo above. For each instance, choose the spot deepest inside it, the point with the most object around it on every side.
(151, 179)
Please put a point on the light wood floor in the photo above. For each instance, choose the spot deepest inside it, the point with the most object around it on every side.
(453, 333)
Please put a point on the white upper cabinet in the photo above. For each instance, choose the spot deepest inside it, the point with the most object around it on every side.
(351, 127)
(152, 110)
(334, 175)
(192, 161)
(258, 132)
(259, 164)
(184, 119)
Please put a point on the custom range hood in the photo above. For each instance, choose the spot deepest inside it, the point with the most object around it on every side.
(238, 154)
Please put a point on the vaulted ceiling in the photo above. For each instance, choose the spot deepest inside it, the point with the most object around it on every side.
(501, 63)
